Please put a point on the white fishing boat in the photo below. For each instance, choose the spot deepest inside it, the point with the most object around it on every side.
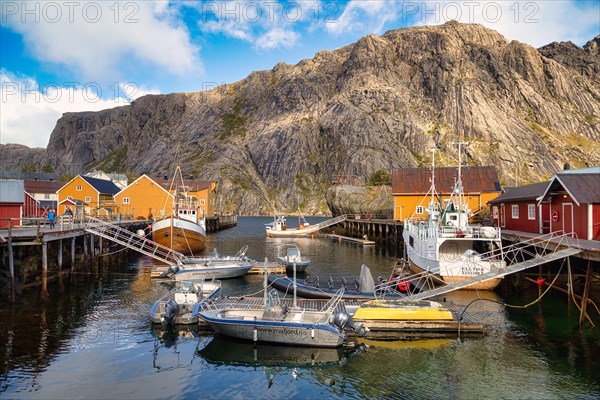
(279, 324)
(293, 256)
(181, 305)
(279, 229)
(447, 245)
(184, 230)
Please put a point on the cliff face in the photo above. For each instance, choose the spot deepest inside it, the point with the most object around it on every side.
(282, 136)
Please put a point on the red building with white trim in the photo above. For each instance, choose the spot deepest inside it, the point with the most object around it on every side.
(569, 202)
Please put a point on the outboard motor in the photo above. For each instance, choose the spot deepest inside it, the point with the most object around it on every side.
(171, 310)
(341, 319)
(172, 270)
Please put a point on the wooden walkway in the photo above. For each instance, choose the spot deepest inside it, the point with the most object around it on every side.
(590, 249)
(360, 242)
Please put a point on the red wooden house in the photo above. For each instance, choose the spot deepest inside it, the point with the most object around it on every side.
(574, 197)
(520, 209)
(15, 203)
(569, 202)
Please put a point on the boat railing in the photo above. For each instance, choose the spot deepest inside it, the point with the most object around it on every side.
(407, 284)
(422, 229)
(331, 305)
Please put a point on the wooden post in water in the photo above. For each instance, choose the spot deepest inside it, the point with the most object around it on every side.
(11, 263)
(44, 269)
(100, 244)
(72, 254)
(85, 245)
(569, 287)
(586, 291)
(92, 244)
(60, 254)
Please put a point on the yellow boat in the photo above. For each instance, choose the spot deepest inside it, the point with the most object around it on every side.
(401, 310)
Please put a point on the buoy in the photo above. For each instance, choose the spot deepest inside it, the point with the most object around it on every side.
(403, 286)
(141, 233)
(540, 282)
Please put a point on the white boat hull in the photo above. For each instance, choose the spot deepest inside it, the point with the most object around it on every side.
(217, 270)
(294, 329)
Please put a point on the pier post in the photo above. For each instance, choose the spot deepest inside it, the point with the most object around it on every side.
(60, 254)
(92, 250)
(44, 269)
(72, 254)
(586, 291)
(85, 245)
(11, 264)
(100, 244)
(569, 287)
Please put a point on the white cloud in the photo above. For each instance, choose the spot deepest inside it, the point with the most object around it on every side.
(266, 25)
(30, 111)
(94, 39)
(364, 16)
(277, 37)
(534, 22)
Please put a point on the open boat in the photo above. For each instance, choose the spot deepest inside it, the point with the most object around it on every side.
(181, 305)
(292, 257)
(446, 245)
(184, 230)
(362, 287)
(211, 266)
(276, 324)
(278, 228)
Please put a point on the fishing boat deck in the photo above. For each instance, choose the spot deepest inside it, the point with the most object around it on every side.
(385, 330)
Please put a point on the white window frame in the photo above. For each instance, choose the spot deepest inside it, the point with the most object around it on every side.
(78, 188)
(201, 202)
(126, 200)
(88, 199)
(531, 212)
(420, 210)
(495, 212)
(514, 211)
(70, 197)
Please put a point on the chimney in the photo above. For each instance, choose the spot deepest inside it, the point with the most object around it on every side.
(566, 167)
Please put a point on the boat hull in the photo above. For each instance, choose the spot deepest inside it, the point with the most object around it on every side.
(198, 272)
(248, 324)
(291, 233)
(487, 285)
(289, 266)
(285, 285)
(180, 235)
(189, 305)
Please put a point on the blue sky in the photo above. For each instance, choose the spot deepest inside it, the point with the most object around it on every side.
(61, 56)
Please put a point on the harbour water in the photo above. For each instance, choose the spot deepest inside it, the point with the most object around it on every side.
(93, 339)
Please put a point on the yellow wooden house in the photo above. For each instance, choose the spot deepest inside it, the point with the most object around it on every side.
(153, 197)
(410, 187)
(88, 195)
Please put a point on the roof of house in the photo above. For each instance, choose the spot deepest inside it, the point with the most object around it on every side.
(101, 185)
(584, 188)
(418, 180)
(194, 185)
(35, 186)
(12, 191)
(522, 193)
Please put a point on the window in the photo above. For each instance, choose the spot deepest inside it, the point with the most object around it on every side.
(126, 200)
(88, 199)
(70, 197)
(515, 211)
(530, 211)
(46, 196)
(495, 212)
(419, 210)
(78, 188)
(201, 202)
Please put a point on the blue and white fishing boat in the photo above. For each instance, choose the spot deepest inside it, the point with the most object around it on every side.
(182, 305)
(293, 256)
(279, 324)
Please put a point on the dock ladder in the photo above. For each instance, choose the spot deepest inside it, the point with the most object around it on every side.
(131, 240)
(519, 257)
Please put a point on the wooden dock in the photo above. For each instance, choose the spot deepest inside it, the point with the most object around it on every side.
(383, 330)
(347, 239)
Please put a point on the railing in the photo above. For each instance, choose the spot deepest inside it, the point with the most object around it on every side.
(421, 229)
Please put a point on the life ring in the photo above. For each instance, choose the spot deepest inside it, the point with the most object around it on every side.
(403, 286)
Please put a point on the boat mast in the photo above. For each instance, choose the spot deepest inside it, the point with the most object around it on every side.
(459, 186)
(432, 178)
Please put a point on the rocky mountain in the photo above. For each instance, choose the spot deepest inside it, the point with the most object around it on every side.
(283, 136)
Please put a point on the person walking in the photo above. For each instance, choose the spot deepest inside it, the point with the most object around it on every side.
(51, 218)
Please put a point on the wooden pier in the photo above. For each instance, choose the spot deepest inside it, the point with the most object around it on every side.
(374, 229)
(346, 239)
(220, 222)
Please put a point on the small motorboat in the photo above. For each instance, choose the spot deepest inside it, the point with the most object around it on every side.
(293, 256)
(182, 305)
(275, 323)
(362, 287)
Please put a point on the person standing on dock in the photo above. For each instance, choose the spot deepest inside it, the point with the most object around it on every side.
(51, 217)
